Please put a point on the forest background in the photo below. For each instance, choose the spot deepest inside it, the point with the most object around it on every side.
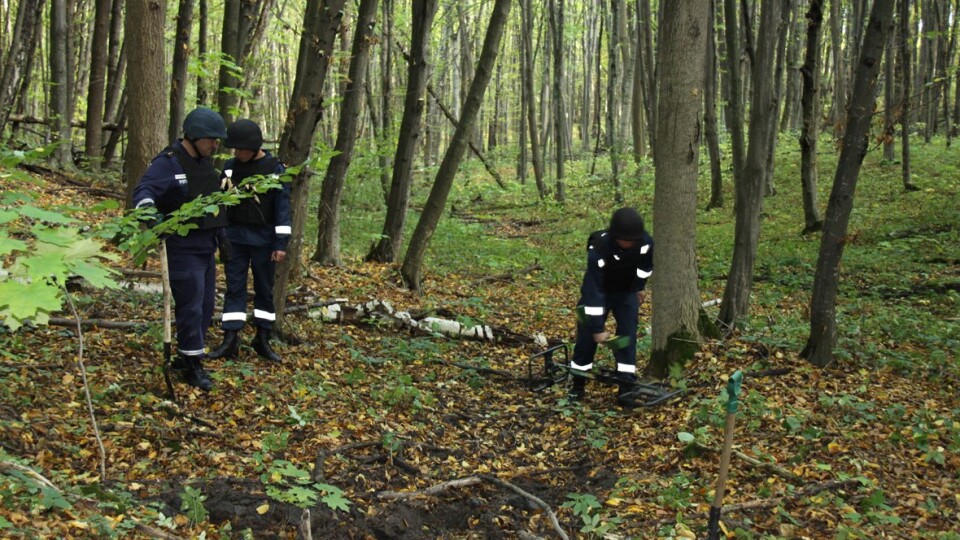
(424, 276)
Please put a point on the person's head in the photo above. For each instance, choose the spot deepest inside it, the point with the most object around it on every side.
(246, 138)
(202, 129)
(626, 227)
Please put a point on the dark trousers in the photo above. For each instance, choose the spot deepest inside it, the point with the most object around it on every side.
(257, 260)
(193, 284)
(625, 310)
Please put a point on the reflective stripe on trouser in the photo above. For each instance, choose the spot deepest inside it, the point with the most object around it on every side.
(256, 259)
(193, 284)
(624, 307)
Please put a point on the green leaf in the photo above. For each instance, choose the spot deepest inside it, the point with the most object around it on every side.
(51, 498)
(44, 215)
(685, 437)
(336, 501)
(9, 245)
(6, 216)
(96, 274)
(4, 524)
(22, 301)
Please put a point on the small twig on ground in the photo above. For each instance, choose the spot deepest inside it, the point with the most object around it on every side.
(536, 500)
(86, 390)
(433, 490)
(304, 527)
(772, 467)
(322, 456)
(510, 276)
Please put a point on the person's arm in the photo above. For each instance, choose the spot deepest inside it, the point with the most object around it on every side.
(593, 295)
(644, 267)
(282, 219)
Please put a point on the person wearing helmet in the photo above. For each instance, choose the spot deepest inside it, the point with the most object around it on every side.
(619, 262)
(183, 172)
(259, 227)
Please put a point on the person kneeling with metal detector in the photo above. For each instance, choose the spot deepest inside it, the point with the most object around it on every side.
(619, 262)
(259, 227)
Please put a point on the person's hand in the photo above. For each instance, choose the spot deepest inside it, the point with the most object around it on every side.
(641, 297)
(278, 256)
(601, 337)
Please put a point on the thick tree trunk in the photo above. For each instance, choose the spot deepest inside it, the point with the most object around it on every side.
(675, 325)
(823, 303)
(61, 92)
(328, 216)
(181, 57)
(321, 21)
(536, 154)
(97, 86)
(22, 44)
(810, 103)
(710, 111)
(388, 248)
(229, 76)
(750, 187)
(735, 126)
(411, 270)
(146, 86)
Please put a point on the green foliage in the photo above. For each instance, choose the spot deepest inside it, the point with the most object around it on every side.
(191, 503)
(596, 524)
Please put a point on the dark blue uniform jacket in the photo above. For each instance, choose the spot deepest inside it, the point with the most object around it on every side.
(271, 224)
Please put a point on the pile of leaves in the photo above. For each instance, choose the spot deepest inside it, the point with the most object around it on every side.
(370, 430)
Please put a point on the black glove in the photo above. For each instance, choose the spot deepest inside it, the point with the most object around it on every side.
(226, 250)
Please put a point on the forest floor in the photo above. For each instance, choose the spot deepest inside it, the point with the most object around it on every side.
(349, 432)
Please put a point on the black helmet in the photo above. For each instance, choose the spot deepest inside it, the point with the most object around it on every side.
(245, 135)
(204, 123)
(626, 224)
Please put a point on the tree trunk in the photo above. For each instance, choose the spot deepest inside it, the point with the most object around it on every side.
(96, 87)
(810, 103)
(202, 50)
(906, 101)
(556, 31)
(839, 69)
(823, 324)
(388, 248)
(143, 32)
(536, 154)
(639, 94)
(386, 97)
(790, 100)
(60, 91)
(328, 216)
(889, 98)
(22, 44)
(116, 65)
(675, 325)
(321, 21)
(750, 188)
(229, 76)
(710, 111)
(649, 57)
(613, 59)
(777, 93)
(591, 47)
(735, 126)
(411, 270)
(181, 57)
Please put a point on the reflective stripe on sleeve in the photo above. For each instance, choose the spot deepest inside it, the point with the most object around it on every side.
(145, 201)
(643, 275)
(593, 310)
(644, 249)
(283, 229)
(601, 263)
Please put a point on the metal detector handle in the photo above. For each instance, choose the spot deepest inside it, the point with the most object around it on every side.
(733, 391)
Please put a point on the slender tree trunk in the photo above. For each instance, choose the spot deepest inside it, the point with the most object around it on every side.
(116, 65)
(22, 44)
(388, 248)
(202, 50)
(710, 111)
(328, 216)
(649, 57)
(777, 93)
(386, 96)
(810, 103)
(96, 88)
(889, 98)
(749, 190)
(735, 126)
(839, 69)
(146, 85)
(613, 144)
(639, 95)
(229, 77)
(790, 101)
(823, 303)
(321, 21)
(676, 314)
(591, 47)
(536, 155)
(906, 100)
(411, 270)
(181, 57)
(60, 90)
(556, 31)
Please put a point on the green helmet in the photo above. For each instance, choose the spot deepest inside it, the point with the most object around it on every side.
(626, 224)
(204, 123)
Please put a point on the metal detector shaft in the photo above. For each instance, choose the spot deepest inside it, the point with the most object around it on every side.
(733, 391)
(167, 294)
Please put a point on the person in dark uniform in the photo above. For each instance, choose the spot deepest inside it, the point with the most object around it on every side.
(180, 173)
(258, 233)
(619, 262)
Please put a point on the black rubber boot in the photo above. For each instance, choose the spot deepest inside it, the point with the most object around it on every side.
(180, 363)
(261, 344)
(229, 348)
(195, 375)
(578, 390)
(624, 397)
